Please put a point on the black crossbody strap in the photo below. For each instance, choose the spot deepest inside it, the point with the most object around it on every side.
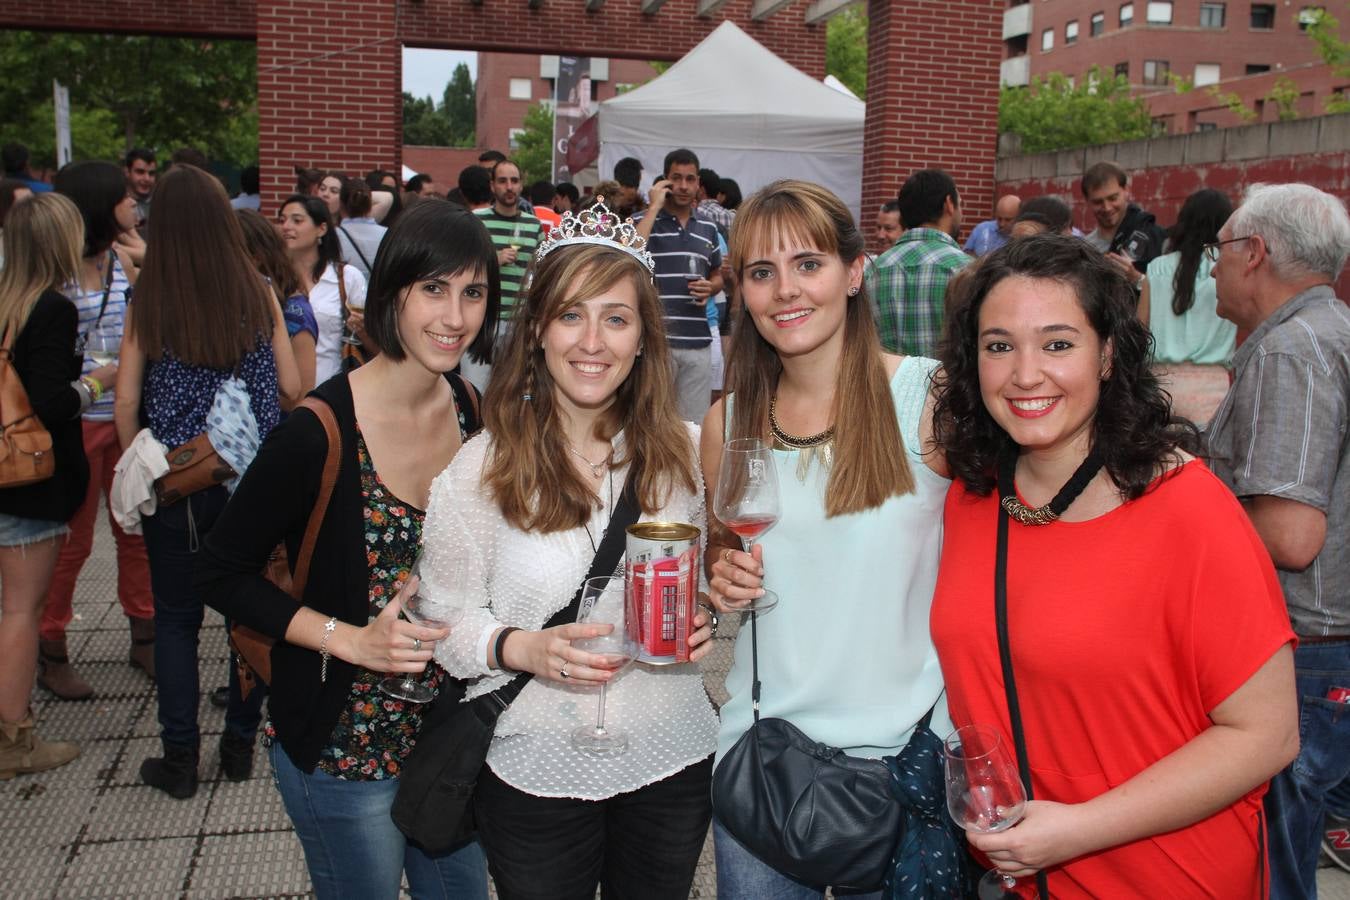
(351, 240)
(1005, 660)
(606, 560)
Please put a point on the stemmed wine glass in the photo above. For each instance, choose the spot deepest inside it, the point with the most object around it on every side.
(746, 500)
(604, 602)
(355, 304)
(102, 343)
(415, 610)
(984, 793)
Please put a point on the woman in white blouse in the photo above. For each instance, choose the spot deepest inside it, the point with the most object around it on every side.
(312, 244)
(581, 396)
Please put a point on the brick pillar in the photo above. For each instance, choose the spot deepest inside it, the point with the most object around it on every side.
(932, 98)
(329, 90)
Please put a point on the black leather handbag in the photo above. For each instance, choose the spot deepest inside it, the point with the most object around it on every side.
(811, 811)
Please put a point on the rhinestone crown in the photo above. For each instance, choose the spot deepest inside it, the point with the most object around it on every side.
(597, 225)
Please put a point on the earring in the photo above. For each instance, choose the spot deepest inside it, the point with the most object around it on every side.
(853, 291)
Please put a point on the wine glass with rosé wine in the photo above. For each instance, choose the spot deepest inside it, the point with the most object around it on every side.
(746, 500)
(984, 793)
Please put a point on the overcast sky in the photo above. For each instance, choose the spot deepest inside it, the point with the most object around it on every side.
(426, 72)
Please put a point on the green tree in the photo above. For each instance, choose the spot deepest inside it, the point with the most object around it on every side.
(460, 105)
(1284, 94)
(846, 49)
(1235, 104)
(534, 145)
(424, 125)
(127, 91)
(1054, 113)
(1324, 29)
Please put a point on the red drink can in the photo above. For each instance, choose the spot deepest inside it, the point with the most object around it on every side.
(661, 580)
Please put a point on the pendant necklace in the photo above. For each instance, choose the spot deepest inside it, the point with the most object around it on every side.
(609, 510)
(1044, 515)
(597, 469)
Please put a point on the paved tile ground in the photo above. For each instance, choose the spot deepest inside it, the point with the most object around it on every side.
(90, 830)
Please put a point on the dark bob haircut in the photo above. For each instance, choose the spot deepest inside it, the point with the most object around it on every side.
(431, 239)
(330, 251)
(96, 188)
(1132, 426)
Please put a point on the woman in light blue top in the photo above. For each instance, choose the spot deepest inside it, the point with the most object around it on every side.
(1178, 303)
(846, 655)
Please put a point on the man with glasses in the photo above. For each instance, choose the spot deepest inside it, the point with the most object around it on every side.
(1280, 440)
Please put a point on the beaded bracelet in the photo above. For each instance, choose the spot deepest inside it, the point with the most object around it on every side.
(95, 386)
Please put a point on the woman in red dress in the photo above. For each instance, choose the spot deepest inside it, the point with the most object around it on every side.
(1149, 643)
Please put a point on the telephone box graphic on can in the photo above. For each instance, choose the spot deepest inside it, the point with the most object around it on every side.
(662, 584)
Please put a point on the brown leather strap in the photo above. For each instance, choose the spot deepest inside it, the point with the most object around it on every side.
(331, 462)
(472, 393)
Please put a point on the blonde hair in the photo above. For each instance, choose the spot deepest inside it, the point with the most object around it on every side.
(43, 241)
(528, 470)
(870, 464)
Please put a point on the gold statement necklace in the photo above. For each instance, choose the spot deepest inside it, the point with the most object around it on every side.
(817, 446)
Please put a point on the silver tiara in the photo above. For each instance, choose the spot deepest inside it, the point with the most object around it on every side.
(597, 225)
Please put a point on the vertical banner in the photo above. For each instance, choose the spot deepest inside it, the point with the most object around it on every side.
(61, 101)
(571, 107)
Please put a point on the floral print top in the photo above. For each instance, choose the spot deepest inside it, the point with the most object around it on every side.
(375, 732)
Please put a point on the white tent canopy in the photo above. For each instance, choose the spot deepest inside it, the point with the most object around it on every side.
(746, 113)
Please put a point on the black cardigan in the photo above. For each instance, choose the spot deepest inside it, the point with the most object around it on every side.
(46, 361)
(272, 503)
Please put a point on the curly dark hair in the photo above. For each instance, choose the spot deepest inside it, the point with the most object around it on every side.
(1133, 426)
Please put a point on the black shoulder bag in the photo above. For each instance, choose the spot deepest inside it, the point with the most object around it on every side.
(825, 818)
(435, 790)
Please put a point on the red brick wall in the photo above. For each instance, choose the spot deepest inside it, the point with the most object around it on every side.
(617, 29)
(932, 98)
(328, 94)
(443, 164)
(186, 18)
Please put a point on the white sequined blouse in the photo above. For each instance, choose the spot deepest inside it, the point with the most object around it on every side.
(504, 576)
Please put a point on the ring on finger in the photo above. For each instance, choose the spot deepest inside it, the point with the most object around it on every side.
(563, 671)
(726, 555)
(417, 644)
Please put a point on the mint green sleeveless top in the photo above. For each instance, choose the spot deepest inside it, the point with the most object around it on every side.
(846, 655)
(1197, 336)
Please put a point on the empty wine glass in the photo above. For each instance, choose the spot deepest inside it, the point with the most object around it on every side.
(984, 793)
(603, 602)
(415, 610)
(746, 499)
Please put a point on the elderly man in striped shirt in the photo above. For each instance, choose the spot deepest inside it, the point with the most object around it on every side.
(687, 274)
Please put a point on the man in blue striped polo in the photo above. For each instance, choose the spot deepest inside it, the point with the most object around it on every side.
(687, 274)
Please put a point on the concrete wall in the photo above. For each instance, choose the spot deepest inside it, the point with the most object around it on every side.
(1164, 171)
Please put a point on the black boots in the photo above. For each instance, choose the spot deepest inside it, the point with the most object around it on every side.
(174, 773)
(236, 757)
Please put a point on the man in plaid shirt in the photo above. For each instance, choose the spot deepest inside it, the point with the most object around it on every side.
(907, 283)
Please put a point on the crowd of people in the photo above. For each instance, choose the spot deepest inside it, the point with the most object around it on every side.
(1082, 489)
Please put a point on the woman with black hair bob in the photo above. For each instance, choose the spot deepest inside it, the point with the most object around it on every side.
(337, 743)
(331, 286)
(1179, 303)
(1147, 636)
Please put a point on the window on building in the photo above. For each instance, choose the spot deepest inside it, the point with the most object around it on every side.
(1205, 126)
(1160, 13)
(522, 89)
(1126, 15)
(1097, 24)
(1308, 15)
(1047, 40)
(1263, 15)
(513, 137)
(1206, 73)
(1071, 32)
(1123, 70)
(1212, 15)
(1256, 69)
(1156, 71)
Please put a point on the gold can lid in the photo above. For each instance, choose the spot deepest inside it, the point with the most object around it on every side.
(664, 531)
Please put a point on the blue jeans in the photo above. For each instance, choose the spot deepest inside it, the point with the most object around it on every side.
(353, 848)
(1297, 798)
(741, 876)
(173, 535)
